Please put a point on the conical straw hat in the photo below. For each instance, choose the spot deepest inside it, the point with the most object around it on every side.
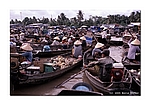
(64, 38)
(21, 34)
(82, 38)
(127, 35)
(56, 38)
(72, 36)
(135, 42)
(35, 34)
(26, 47)
(99, 45)
(77, 42)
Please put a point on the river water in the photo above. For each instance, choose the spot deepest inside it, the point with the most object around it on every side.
(45, 88)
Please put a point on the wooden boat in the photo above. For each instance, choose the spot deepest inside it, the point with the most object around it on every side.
(44, 70)
(116, 41)
(51, 53)
(111, 88)
(108, 88)
(55, 50)
(130, 65)
(75, 86)
(38, 50)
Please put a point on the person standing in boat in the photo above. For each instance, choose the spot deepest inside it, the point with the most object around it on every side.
(56, 41)
(77, 49)
(104, 35)
(28, 52)
(133, 49)
(104, 65)
(97, 50)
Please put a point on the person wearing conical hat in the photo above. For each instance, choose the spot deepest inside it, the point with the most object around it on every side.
(104, 35)
(71, 40)
(83, 40)
(21, 36)
(133, 49)
(97, 49)
(99, 66)
(77, 49)
(56, 41)
(64, 42)
(28, 52)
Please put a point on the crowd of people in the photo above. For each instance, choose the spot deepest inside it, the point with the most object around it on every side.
(76, 39)
(102, 59)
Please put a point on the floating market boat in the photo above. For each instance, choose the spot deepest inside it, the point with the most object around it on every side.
(43, 69)
(131, 65)
(38, 50)
(75, 86)
(55, 50)
(116, 41)
(111, 88)
(108, 88)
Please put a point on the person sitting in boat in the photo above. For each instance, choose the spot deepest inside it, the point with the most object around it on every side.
(133, 49)
(28, 52)
(64, 42)
(104, 66)
(46, 48)
(83, 40)
(71, 41)
(13, 48)
(77, 49)
(96, 52)
(56, 41)
(12, 42)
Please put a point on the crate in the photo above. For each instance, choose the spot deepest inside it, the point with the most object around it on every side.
(48, 67)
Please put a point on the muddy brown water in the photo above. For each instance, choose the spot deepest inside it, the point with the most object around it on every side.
(42, 89)
(45, 88)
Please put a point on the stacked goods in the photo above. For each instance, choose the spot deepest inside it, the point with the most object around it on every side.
(61, 62)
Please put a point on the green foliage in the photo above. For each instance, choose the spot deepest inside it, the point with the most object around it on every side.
(78, 21)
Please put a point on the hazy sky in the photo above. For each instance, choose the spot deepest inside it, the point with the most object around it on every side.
(18, 14)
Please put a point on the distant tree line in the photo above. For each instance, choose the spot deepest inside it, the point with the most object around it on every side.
(79, 20)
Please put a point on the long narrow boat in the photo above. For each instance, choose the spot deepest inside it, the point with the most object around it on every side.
(116, 41)
(75, 85)
(130, 65)
(108, 88)
(46, 69)
(111, 88)
(51, 53)
(55, 51)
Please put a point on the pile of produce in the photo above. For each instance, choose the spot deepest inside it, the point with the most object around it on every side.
(62, 62)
